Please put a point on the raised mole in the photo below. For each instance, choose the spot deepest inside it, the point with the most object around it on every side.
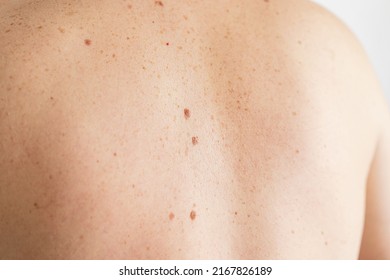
(193, 215)
(87, 42)
(187, 113)
(195, 140)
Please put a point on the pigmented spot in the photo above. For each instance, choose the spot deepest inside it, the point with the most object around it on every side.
(171, 216)
(129, 7)
(193, 215)
(187, 113)
(195, 140)
(159, 3)
(167, 43)
(266, 1)
(297, 151)
(294, 113)
(292, 231)
(8, 30)
(115, 154)
(36, 206)
(87, 42)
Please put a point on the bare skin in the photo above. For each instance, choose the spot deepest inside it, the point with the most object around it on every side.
(179, 130)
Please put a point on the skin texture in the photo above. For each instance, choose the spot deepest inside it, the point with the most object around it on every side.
(183, 130)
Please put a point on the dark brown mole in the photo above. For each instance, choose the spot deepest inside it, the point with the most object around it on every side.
(171, 216)
(159, 3)
(87, 42)
(193, 215)
(167, 43)
(195, 140)
(187, 113)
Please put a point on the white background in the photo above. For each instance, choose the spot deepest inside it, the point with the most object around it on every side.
(370, 21)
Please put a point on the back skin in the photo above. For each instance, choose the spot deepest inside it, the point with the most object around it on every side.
(185, 130)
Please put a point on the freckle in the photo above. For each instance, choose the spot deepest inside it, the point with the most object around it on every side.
(133, 186)
(36, 205)
(40, 27)
(115, 154)
(113, 55)
(129, 7)
(159, 3)
(297, 151)
(61, 29)
(187, 113)
(326, 243)
(147, 248)
(235, 213)
(195, 140)
(294, 113)
(87, 42)
(300, 42)
(8, 30)
(171, 216)
(81, 237)
(293, 232)
(193, 215)
(50, 177)
(322, 233)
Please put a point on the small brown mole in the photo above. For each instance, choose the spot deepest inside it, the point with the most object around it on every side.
(36, 206)
(187, 113)
(167, 43)
(195, 140)
(159, 3)
(171, 216)
(87, 42)
(193, 215)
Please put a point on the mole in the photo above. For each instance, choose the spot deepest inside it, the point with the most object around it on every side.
(36, 205)
(160, 3)
(171, 216)
(87, 42)
(187, 113)
(193, 215)
(195, 140)
(167, 44)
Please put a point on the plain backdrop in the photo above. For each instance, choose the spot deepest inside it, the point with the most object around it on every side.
(370, 21)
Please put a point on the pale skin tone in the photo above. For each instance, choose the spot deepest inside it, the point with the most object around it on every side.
(184, 130)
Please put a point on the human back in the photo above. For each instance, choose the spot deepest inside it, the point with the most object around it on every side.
(182, 130)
